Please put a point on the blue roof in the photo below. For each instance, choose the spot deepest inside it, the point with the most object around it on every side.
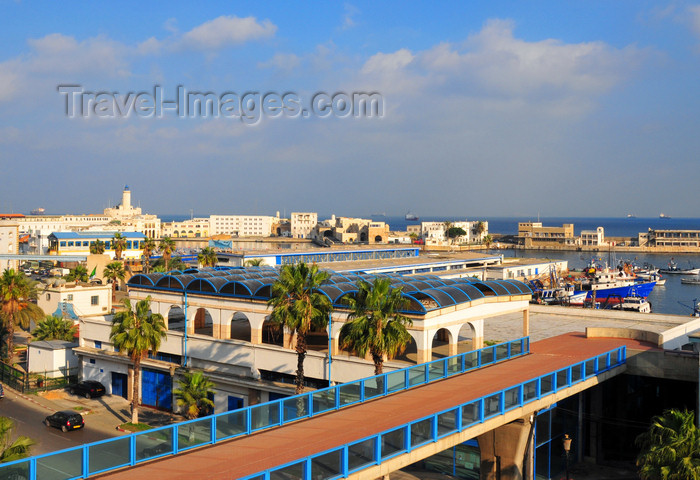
(89, 235)
(423, 292)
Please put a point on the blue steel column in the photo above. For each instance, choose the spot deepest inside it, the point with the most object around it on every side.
(330, 346)
(185, 365)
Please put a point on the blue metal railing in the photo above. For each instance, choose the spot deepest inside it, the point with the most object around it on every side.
(344, 460)
(99, 457)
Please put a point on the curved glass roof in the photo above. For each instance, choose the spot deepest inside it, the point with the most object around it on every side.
(423, 292)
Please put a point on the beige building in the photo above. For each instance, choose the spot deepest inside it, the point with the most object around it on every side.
(533, 234)
(193, 228)
(242, 225)
(302, 224)
(353, 230)
(9, 243)
(670, 238)
(593, 238)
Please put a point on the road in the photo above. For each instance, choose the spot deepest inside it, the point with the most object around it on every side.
(29, 418)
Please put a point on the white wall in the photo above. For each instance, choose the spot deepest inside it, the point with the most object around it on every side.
(47, 360)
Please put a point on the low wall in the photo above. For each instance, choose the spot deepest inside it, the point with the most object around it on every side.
(631, 333)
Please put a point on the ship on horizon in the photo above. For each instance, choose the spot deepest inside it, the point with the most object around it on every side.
(663, 215)
(37, 211)
(411, 216)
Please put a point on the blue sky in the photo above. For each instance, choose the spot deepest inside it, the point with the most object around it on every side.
(490, 108)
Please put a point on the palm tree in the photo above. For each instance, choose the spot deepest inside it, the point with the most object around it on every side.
(488, 240)
(78, 274)
(299, 306)
(98, 247)
(10, 451)
(167, 247)
(118, 245)
(194, 393)
(479, 229)
(114, 272)
(148, 246)
(55, 328)
(670, 449)
(374, 324)
(136, 333)
(255, 262)
(207, 257)
(447, 225)
(15, 305)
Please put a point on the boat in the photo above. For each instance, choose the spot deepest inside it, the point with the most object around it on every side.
(631, 215)
(411, 216)
(634, 303)
(673, 268)
(610, 286)
(663, 215)
(691, 280)
(564, 295)
(37, 211)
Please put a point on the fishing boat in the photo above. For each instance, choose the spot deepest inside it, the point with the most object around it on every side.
(674, 269)
(634, 303)
(691, 280)
(610, 286)
(564, 295)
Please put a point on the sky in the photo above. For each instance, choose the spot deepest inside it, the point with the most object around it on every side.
(504, 108)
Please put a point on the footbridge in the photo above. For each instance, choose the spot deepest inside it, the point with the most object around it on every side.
(362, 429)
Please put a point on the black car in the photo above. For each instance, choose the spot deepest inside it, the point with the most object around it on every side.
(65, 420)
(88, 389)
(2, 391)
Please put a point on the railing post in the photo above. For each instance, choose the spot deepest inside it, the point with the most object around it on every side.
(213, 428)
(311, 406)
(569, 376)
(132, 449)
(481, 410)
(458, 418)
(281, 412)
(362, 391)
(344, 461)
(538, 388)
(86, 461)
(502, 396)
(176, 440)
(378, 449)
(521, 394)
(509, 350)
(248, 421)
(478, 358)
(463, 362)
(307, 469)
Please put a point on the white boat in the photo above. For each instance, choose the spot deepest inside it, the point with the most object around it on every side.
(634, 303)
(674, 269)
(691, 280)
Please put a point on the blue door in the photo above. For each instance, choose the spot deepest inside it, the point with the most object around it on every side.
(234, 403)
(157, 389)
(119, 384)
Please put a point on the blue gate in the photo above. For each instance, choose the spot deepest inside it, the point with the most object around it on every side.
(119, 384)
(157, 389)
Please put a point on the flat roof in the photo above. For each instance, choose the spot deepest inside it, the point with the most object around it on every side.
(423, 259)
(88, 235)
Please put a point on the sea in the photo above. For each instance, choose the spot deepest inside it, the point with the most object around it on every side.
(673, 298)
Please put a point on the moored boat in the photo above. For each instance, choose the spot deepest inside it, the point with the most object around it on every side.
(674, 269)
(611, 287)
(691, 280)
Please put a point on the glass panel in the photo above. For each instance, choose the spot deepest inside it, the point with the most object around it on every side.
(327, 465)
(501, 352)
(492, 405)
(590, 367)
(561, 378)
(470, 413)
(289, 472)
(447, 422)
(516, 348)
(546, 384)
(194, 433)
(454, 365)
(349, 393)
(374, 387)
(436, 370)
(396, 381)
(512, 398)
(530, 391)
(543, 433)
(361, 454)
(60, 466)
(295, 407)
(602, 365)
(20, 471)
(416, 375)
(576, 373)
(109, 455)
(422, 432)
(154, 444)
(486, 356)
(471, 360)
(265, 415)
(230, 424)
(323, 400)
(393, 442)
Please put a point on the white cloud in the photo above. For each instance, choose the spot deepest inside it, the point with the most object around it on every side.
(227, 30)
(348, 20)
(282, 61)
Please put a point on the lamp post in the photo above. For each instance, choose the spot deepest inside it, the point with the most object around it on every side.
(566, 441)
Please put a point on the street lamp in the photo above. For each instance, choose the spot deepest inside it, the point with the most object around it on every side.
(566, 441)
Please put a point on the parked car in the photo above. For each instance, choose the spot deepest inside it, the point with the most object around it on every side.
(87, 389)
(65, 420)
(2, 391)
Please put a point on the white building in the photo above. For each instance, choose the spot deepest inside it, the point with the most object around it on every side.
(526, 269)
(75, 300)
(9, 243)
(303, 223)
(54, 358)
(242, 225)
(78, 243)
(593, 237)
(436, 232)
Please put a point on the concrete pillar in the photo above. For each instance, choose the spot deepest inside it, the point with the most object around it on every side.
(335, 348)
(256, 335)
(526, 322)
(289, 340)
(478, 338)
(452, 348)
(503, 449)
(423, 356)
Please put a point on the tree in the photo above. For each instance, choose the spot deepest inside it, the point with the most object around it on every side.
(114, 272)
(447, 225)
(487, 240)
(479, 229)
(15, 305)
(175, 263)
(207, 257)
(148, 246)
(118, 245)
(374, 324)
(10, 451)
(255, 262)
(97, 247)
(78, 274)
(300, 307)
(55, 328)
(167, 247)
(194, 393)
(670, 449)
(137, 332)
(455, 232)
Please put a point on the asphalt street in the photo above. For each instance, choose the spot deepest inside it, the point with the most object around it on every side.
(29, 418)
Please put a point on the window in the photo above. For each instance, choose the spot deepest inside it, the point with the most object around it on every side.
(70, 244)
(95, 300)
(48, 296)
(63, 243)
(69, 297)
(98, 344)
(92, 360)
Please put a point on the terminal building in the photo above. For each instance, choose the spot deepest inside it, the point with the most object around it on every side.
(78, 243)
